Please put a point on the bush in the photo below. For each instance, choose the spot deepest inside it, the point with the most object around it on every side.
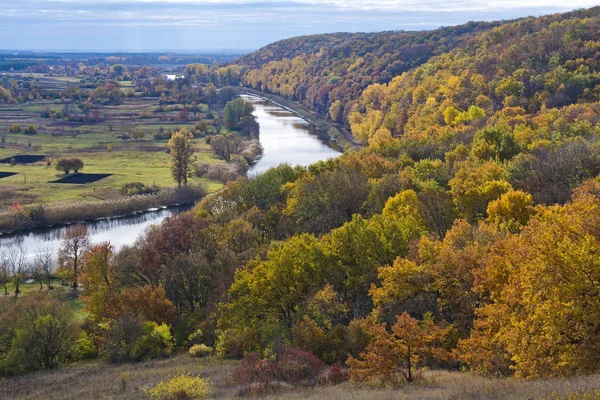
(223, 172)
(181, 387)
(335, 375)
(132, 339)
(30, 130)
(138, 188)
(36, 334)
(200, 350)
(85, 348)
(292, 366)
(15, 128)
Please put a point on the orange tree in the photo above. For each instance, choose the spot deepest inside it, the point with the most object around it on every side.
(399, 353)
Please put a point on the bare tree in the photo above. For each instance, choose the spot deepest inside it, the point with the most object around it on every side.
(15, 257)
(4, 271)
(74, 242)
(44, 266)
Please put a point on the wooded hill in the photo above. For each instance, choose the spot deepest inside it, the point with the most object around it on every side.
(320, 70)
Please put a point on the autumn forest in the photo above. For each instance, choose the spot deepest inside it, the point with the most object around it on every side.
(461, 231)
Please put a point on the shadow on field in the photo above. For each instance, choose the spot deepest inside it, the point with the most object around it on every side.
(81, 178)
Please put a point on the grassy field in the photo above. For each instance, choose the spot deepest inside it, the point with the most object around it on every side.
(99, 380)
(62, 293)
(97, 144)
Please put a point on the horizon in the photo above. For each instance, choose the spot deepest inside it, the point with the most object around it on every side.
(144, 26)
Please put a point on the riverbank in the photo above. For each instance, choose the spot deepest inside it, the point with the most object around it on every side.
(19, 219)
(336, 133)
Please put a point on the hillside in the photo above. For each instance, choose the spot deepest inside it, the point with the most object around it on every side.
(318, 70)
(462, 237)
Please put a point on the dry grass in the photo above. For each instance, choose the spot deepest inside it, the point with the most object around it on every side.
(98, 380)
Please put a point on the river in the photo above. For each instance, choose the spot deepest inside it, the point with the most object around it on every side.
(284, 136)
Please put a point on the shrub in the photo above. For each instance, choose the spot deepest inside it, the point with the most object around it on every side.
(202, 168)
(138, 188)
(291, 365)
(132, 339)
(85, 348)
(138, 134)
(334, 375)
(30, 130)
(181, 387)
(37, 333)
(15, 128)
(223, 172)
(200, 350)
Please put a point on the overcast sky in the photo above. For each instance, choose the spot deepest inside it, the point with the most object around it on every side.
(117, 25)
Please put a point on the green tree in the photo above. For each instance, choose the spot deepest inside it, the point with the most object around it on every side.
(235, 110)
(182, 152)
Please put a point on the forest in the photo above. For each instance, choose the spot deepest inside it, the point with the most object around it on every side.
(463, 235)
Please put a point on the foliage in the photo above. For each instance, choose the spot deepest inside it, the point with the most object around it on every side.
(236, 112)
(69, 164)
(399, 352)
(181, 387)
(200, 350)
(37, 333)
(289, 365)
(132, 339)
(182, 150)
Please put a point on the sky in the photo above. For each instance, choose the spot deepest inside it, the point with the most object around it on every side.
(192, 25)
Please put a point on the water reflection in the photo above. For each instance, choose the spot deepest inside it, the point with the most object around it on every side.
(119, 231)
(285, 137)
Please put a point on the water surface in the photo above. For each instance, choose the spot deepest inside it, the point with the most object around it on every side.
(285, 137)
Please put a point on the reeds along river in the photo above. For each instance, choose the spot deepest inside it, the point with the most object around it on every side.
(285, 137)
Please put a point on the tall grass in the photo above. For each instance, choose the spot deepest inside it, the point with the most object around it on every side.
(129, 381)
(19, 218)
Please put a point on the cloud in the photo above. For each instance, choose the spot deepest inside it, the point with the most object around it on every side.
(198, 24)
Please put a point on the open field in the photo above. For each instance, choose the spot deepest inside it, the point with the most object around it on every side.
(100, 146)
(99, 380)
(60, 292)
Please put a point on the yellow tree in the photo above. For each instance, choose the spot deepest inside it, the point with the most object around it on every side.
(182, 152)
(544, 286)
(99, 278)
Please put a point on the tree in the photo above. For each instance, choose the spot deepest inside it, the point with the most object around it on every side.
(273, 293)
(225, 145)
(249, 127)
(45, 263)
(138, 134)
(543, 316)
(68, 164)
(210, 94)
(400, 352)
(75, 242)
(99, 278)
(182, 152)
(511, 211)
(336, 111)
(235, 110)
(17, 265)
(4, 271)
(42, 334)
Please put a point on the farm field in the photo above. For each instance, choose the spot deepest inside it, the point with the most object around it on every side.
(103, 146)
